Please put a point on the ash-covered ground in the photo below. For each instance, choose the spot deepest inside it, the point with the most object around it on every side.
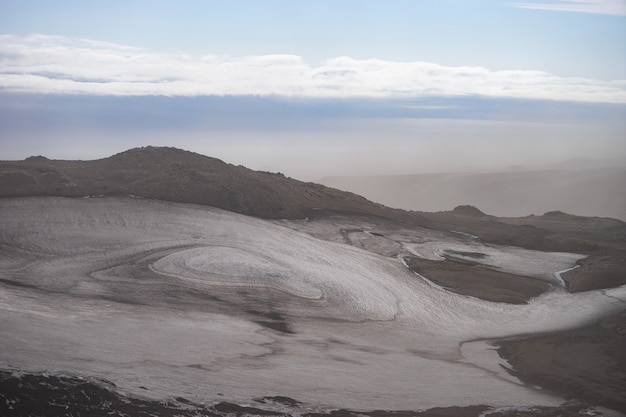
(169, 300)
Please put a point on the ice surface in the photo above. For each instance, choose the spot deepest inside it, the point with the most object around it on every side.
(513, 260)
(173, 300)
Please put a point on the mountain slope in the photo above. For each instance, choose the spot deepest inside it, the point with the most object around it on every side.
(175, 175)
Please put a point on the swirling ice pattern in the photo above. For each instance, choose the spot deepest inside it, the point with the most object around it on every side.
(173, 300)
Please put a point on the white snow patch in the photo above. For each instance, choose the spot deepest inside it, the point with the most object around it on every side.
(366, 333)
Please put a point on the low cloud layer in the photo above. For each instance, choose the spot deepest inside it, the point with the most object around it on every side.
(610, 7)
(61, 65)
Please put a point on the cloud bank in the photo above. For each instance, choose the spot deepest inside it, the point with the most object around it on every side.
(61, 65)
(610, 7)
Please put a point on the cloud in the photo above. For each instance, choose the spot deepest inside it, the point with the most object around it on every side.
(610, 7)
(61, 65)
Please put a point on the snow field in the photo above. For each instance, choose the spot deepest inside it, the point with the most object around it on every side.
(168, 300)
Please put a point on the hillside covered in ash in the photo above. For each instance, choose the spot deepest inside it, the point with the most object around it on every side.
(172, 174)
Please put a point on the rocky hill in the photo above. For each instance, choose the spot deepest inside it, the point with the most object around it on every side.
(172, 174)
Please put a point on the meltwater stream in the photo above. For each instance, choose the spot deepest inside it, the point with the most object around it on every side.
(169, 300)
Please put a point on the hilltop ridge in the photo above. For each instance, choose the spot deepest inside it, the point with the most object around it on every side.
(177, 175)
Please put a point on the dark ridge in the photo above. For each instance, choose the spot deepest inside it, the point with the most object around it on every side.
(562, 216)
(30, 395)
(51, 396)
(176, 175)
(37, 158)
(556, 213)
(467, 210)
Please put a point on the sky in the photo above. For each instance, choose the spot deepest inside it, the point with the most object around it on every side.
(317, 88)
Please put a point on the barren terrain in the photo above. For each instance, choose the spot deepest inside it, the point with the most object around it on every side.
(348, 306)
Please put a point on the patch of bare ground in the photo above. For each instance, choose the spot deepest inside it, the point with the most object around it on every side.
(603, 240)
(587, 363)
(478, 281)
(28, 395)
(604, 270)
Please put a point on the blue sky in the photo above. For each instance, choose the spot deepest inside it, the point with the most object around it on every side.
(490, 33)
(264, 82)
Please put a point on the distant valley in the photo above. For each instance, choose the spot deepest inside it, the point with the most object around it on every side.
(585, 190)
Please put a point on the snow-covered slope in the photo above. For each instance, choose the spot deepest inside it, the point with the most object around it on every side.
(167, 300)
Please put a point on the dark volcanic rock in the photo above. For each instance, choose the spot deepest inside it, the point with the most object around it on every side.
(36, 395)
(468, 211)
(587, 363)
(478, 281)
(51, 396)
(175, 175)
